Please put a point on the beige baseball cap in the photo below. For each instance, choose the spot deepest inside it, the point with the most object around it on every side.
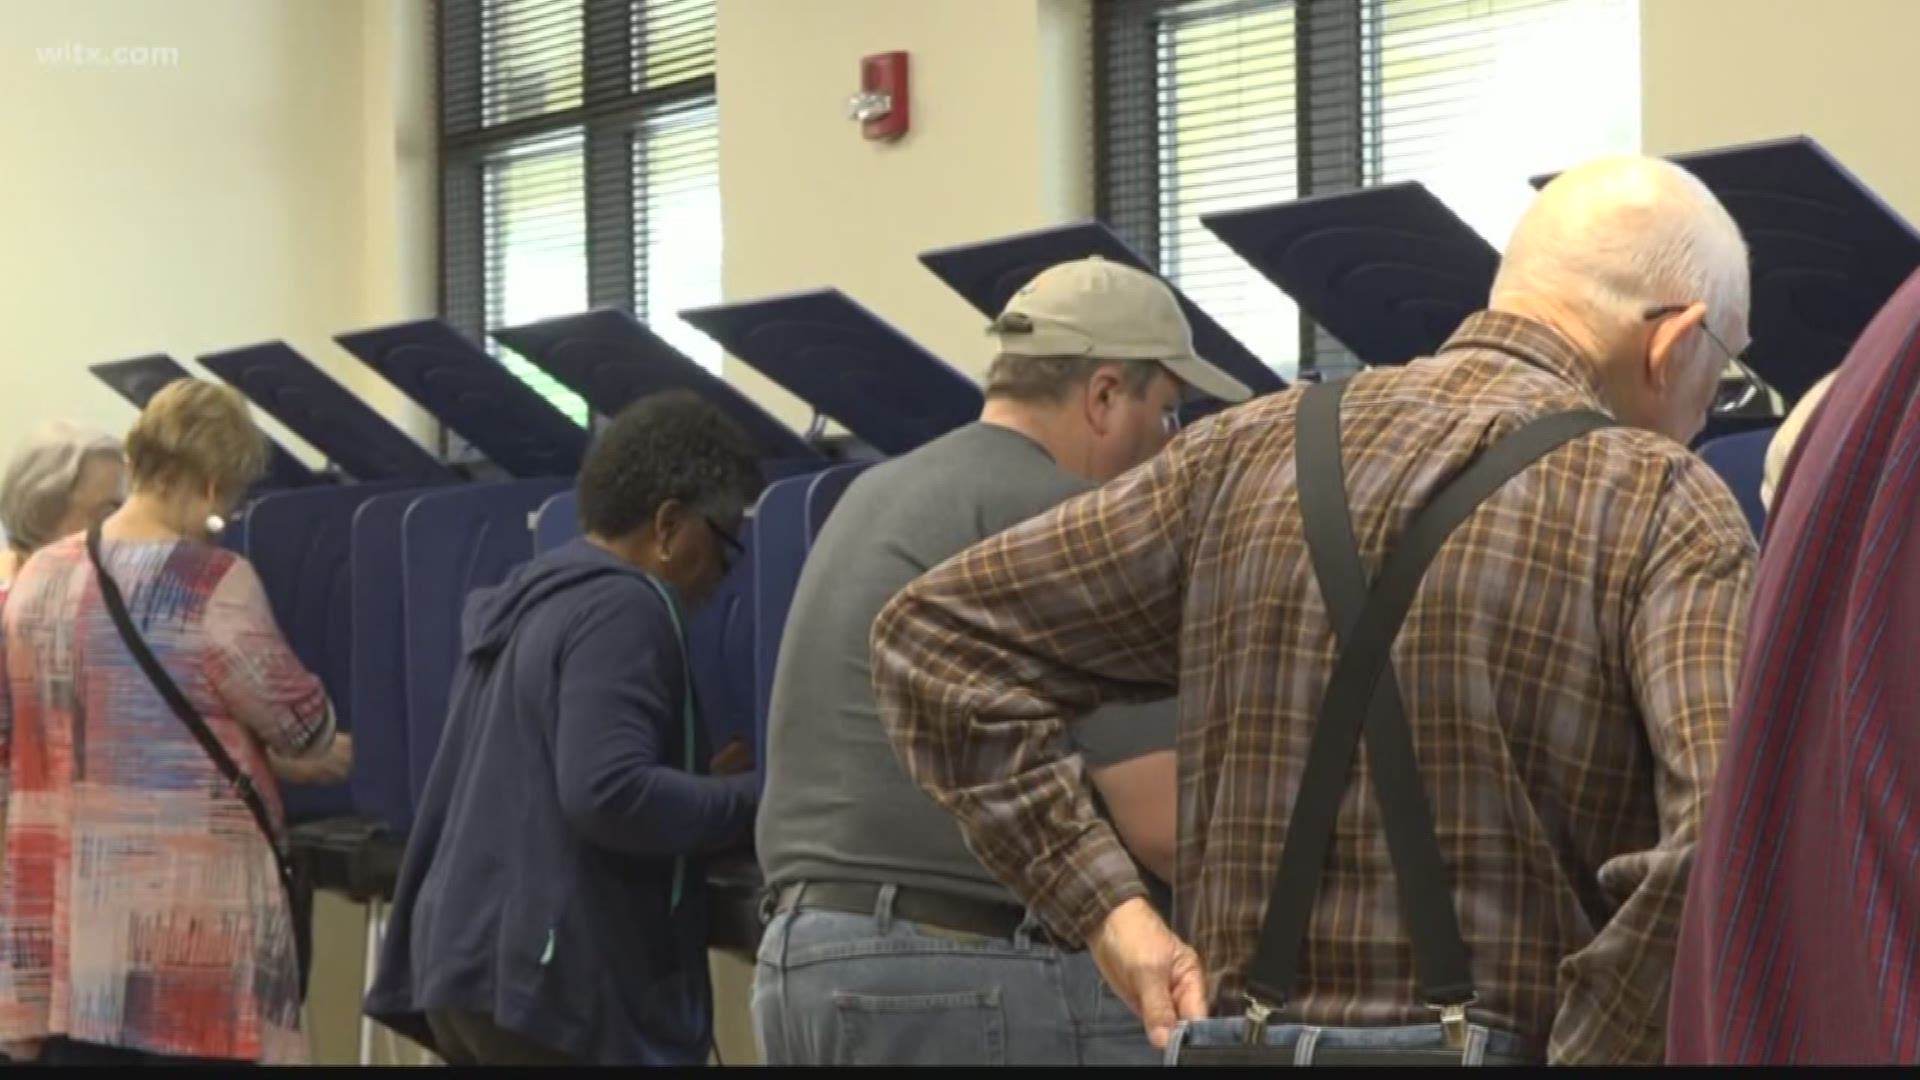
(1096, 308)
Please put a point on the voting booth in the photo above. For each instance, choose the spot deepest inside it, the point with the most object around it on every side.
(138, 379)
(1389, 271)
(368, 560)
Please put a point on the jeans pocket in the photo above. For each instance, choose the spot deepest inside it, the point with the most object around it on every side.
(963, 1028)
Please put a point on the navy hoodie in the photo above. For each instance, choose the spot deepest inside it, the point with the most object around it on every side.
(538, 884)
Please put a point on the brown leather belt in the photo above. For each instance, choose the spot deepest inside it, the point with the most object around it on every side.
(934, 909)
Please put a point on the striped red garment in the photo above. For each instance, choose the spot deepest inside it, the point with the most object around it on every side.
(1801, 934)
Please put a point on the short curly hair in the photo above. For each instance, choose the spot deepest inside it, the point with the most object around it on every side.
(666, 446)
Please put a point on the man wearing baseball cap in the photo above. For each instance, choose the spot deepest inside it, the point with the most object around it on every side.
(887, 942)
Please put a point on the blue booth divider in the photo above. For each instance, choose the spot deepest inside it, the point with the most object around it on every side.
(556, 522)
(452, 542)
(778, 551)
(789, 518)
(382, 779)
(1741, 461)
(300, 543)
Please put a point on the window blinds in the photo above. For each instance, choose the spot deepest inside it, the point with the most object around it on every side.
(580, 167)
(1208, 105)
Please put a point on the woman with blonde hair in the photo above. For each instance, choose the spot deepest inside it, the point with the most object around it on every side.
(61, 479)
(144, 913)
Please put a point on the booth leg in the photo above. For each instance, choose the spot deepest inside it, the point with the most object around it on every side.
(376, 933)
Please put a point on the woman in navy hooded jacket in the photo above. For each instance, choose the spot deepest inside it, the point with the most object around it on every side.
(551, 908)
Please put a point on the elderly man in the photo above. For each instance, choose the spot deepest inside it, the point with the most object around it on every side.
(889, 943)
(1567, 666)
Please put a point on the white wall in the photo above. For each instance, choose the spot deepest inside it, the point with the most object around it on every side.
(1727, 71)
(1001, 141)
(264, 180)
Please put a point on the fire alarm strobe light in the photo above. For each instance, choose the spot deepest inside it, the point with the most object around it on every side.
(881, 104)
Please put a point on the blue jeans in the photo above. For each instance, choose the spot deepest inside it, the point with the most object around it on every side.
(843, 989)
(1483, 1046)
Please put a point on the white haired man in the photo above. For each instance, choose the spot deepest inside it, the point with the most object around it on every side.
(61, 479)
(1557, 687)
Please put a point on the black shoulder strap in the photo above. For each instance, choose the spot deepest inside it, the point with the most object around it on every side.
(230, 770)
(1366, 622)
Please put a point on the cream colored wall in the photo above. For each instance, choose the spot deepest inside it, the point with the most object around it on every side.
(267, 183)
(274, 178)
(1726, 71)
(1000, 141)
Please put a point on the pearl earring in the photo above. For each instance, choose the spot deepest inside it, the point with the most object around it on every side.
(216, 524)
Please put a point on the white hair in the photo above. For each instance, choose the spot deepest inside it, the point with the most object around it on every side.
(1619, 236)
(40, 478)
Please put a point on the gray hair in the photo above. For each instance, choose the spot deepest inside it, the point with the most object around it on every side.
(40, 478)
(1620, 235)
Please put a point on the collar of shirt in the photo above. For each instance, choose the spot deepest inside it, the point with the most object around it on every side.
(1532, 342)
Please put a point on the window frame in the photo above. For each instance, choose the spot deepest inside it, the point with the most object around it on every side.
(615, 105)
(1341, 129)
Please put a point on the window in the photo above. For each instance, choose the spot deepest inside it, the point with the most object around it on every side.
(580, 167)
(1208, 105)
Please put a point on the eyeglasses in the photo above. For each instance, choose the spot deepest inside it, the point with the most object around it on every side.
(731, 550)
(1732, 395)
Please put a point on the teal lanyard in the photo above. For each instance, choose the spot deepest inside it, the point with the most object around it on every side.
(689, 718)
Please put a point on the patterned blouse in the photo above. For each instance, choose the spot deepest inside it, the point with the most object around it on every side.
(139, 904)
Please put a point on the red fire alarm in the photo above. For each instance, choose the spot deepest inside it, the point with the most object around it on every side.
(881, 104)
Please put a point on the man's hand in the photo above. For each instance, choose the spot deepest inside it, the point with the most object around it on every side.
(1150, 968)
(733, 759)
(330, 767)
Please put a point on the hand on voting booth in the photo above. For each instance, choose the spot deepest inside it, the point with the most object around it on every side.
(328, 768)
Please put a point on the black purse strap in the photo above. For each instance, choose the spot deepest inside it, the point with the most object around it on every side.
(230, 770)
(1366, 622)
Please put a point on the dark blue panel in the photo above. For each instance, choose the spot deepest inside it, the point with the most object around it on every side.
(720, 641)
(137, 380)
(611, 359)
(381, 778)
(789, 517)
(474, 395)
(346, 429)
(1827, 253)
(1389, 270)
(778, 551)
(300, 543)
(823, 494)
(556, 522)
(453, 542)
(848, 363)
(1741, 461)
(987, 274)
